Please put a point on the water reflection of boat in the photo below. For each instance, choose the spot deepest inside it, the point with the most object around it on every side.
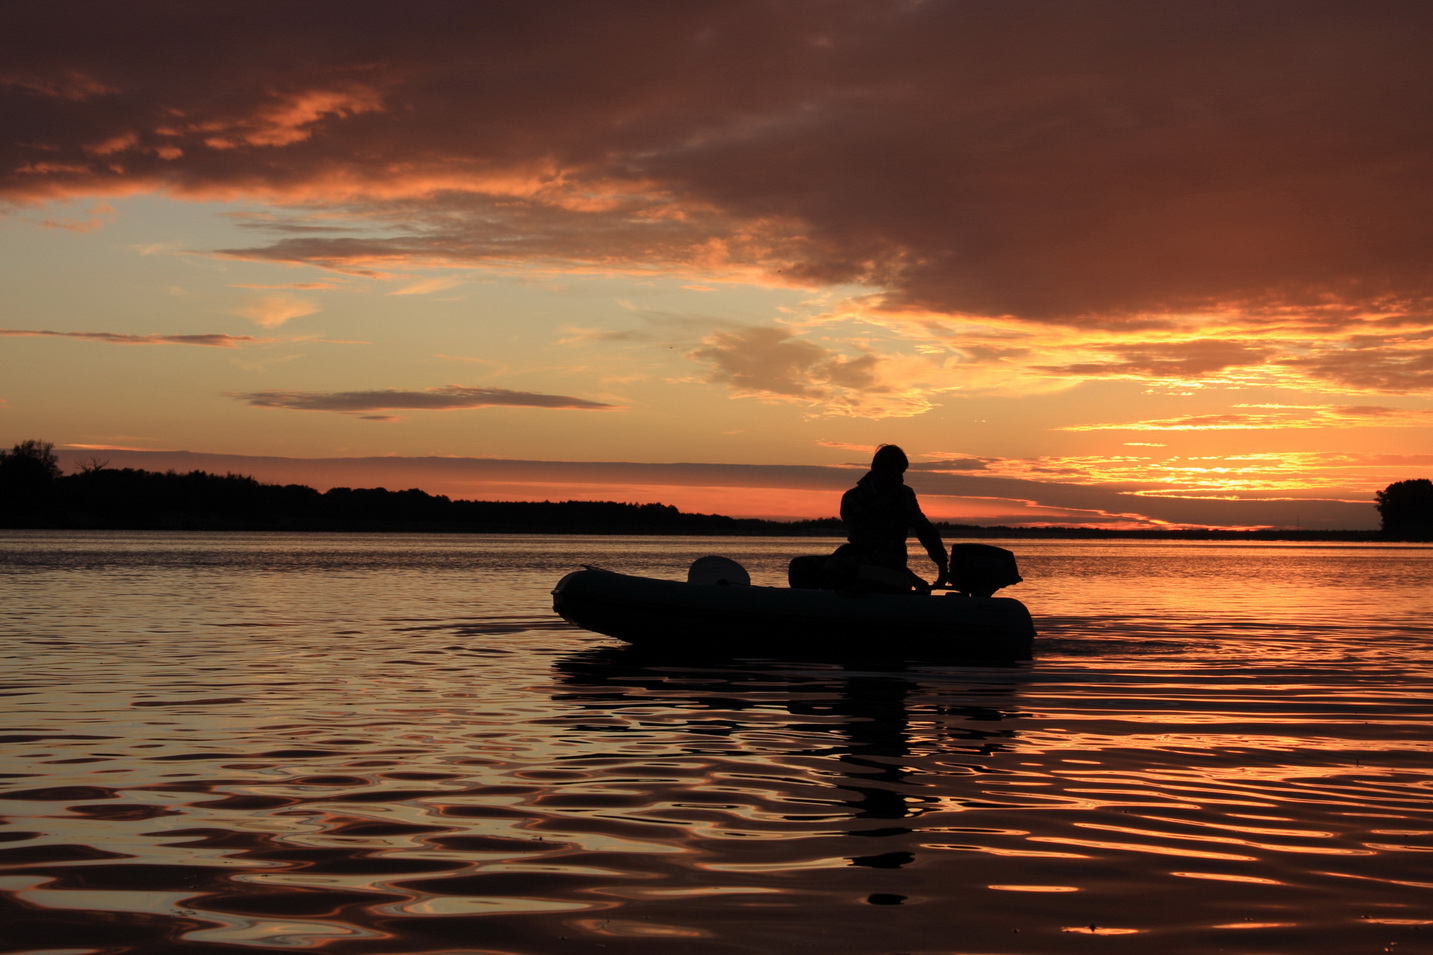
(829, 760)
(736, 618)
(827, 709)
(791, 789)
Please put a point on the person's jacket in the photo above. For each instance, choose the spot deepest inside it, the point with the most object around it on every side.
(879, 515)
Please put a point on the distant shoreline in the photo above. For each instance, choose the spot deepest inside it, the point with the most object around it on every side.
(118, 499)
(739, 527)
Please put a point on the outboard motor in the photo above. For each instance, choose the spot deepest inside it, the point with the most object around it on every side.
(978, 570)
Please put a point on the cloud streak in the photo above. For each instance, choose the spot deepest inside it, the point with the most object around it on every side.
(117, 338)
(1277, 418)
(1184, 359)
(446, 398)
(1252, 476)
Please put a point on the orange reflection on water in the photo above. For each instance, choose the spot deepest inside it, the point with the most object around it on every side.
(1006, 852)
(1182, 852)
(454, 904)
(626, 928)
(1364, 878)
(1229, 840)
(1226, 877)
(1224, 826)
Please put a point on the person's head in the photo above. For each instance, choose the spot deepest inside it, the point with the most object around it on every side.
(889, 460)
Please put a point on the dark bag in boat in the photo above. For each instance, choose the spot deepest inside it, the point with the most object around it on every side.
(808, 572)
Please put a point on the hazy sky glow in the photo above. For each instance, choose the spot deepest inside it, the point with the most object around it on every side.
(1108, 262)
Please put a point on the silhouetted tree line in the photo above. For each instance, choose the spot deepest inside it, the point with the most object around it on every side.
(35, 493)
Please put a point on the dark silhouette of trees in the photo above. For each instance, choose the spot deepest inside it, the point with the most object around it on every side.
(1406, 509)
(29, 463)
(28, 474)
(133, 498)
(34, 493)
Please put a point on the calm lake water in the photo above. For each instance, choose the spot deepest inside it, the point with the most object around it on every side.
(388, 744)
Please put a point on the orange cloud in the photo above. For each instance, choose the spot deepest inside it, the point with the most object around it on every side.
(775, 364)
(287, 118)
(271, 311)
(429, 286)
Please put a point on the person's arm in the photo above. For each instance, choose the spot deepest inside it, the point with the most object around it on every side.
(929, 537)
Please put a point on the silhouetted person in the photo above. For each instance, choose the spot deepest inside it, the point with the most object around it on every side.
(880, 512)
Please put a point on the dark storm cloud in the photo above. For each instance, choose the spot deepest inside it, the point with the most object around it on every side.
(1083, 161)
(447, 398)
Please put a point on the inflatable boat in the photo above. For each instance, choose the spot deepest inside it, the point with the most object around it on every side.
(717, 610)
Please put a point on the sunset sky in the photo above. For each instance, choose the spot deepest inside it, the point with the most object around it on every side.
(1105, 262)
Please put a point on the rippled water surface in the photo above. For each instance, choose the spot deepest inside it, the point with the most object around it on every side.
(388, 744)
